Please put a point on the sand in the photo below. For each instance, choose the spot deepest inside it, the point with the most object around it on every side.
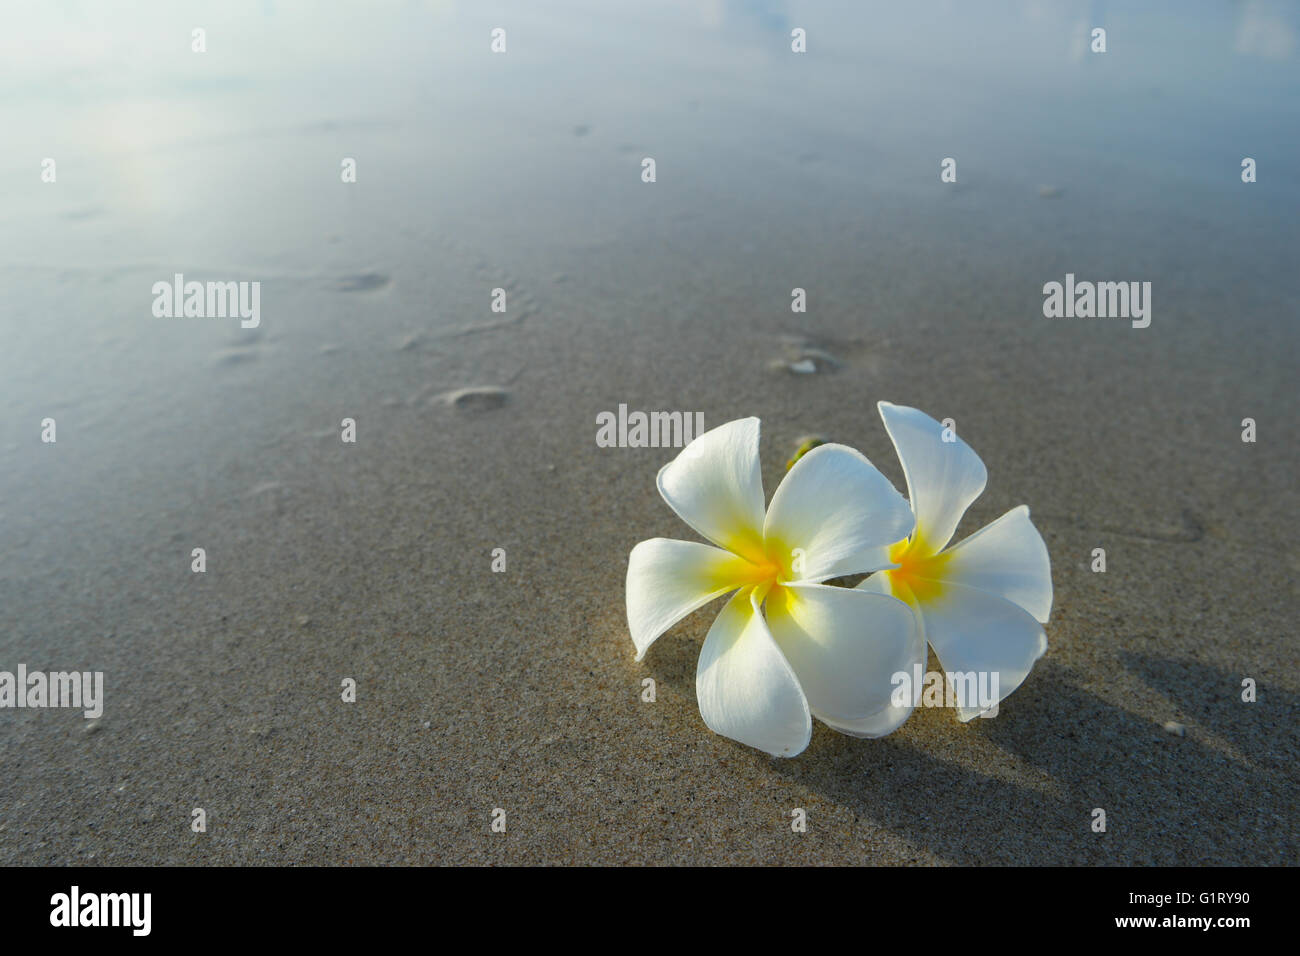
(517, 690)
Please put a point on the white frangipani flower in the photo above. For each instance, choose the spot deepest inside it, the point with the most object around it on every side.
(821, 651)
(981, 604)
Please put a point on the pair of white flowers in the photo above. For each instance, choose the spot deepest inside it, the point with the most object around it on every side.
(787, 647)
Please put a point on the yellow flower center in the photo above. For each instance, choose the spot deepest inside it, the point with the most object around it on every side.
(918, 571)
(767, 571)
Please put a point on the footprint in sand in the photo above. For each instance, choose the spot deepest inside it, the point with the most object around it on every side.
(234, 356)
(362, 282)
(804, 356)
(478, 398)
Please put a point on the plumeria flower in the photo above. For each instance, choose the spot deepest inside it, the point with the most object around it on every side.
(981, 604)
(785, 647)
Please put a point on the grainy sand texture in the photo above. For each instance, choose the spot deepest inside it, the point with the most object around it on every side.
(522, 172)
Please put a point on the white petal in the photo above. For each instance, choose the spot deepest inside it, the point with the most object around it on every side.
(877, 583)
(846, 646)
(943, 478)
(892, 717)
(833, 505)
(882, 723)
(1007, 558)
(715, 486)
(977, 632)
(872, 559)
(746, 689)
(666, 580)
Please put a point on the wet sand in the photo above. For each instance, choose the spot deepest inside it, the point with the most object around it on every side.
(479, 690)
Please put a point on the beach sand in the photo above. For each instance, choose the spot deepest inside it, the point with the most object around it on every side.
(518, 690)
